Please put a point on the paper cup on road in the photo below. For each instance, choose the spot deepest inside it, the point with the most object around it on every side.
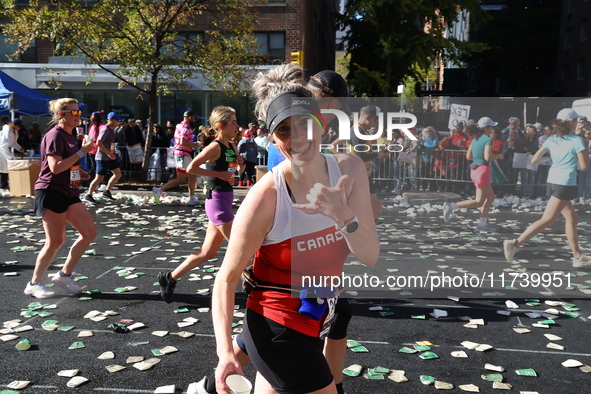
(238, 384)
(25, 344)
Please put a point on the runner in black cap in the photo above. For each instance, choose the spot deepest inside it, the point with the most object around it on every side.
(302, 199)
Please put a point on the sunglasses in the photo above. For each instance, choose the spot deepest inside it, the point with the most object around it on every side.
(74, 112)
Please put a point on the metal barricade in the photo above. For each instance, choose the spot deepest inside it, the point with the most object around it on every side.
(449, 170)
(158, 169)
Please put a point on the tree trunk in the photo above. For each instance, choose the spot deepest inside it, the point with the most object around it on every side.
(151, 112)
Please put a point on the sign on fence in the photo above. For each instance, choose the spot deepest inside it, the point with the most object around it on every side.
(136, 154)
(523, 160)
(458, 113)
(170, 161)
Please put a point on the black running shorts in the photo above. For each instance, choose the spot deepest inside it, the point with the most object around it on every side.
(52, 200)
(289, 360)
(562, 192)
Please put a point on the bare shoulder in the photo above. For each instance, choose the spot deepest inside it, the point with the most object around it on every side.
(211, 152)
(261, 197)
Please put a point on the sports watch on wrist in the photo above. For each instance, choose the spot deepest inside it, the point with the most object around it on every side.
(350, 225)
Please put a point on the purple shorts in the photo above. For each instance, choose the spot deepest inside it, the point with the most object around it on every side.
(219, 207)
(481, 176)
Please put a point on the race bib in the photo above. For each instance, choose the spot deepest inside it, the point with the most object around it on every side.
(75, 181)
(232, 167)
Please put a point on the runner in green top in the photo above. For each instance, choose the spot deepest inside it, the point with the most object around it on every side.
(480, 152)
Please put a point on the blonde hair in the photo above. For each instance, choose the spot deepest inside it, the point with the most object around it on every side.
(60, 105)
(220, 115)
(428, 129)
(284, 78)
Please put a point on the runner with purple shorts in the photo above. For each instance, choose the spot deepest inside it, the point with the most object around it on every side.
(222, 163)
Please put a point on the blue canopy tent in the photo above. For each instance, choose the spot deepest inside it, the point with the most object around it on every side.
(16, 98)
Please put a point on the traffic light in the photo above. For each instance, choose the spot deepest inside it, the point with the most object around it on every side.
(298, 58)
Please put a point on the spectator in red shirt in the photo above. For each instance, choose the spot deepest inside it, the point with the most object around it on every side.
(497, 142)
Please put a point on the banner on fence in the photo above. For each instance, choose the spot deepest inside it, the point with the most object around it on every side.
(458, 113)
(523, 160)
(170, 160)
(136, 154)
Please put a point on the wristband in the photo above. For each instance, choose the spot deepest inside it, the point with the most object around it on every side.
(80, 154)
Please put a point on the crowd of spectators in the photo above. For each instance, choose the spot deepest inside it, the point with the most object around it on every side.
(437, 162)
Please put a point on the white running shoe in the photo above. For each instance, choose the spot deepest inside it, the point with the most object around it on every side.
(193, 200)
(582, 261)
(38, 290)
(199, 387)
(67, 283)
(446, 212)
(157, 193)
(510, 249)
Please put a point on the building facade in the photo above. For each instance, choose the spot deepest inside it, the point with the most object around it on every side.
(284, 26)
(574, 54)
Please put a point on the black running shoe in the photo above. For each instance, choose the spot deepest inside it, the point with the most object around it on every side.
(167, 285)
(89, 198)
(107, 196)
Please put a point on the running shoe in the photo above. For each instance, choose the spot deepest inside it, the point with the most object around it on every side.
(89, 198)
(486, 228)
(67, 283)
(193, 200)
(446, 212)
(582, 261)
(510, 249)
(157, 193)
(38, 290)
(107, 196)
(167, 285)
(199, 387)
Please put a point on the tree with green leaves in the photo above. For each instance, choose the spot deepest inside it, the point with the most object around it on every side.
(389, 40)
(156, 44)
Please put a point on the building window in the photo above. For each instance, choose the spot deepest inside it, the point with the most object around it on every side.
(568, 38)
(271, 46)
(7, 49)
(580, 69)
(584, 30)
(571, 5)
(186, 41)
(565, 74)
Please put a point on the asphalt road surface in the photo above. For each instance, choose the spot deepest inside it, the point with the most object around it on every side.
(426, 267)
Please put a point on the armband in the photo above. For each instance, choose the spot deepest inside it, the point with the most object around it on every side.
(80, 154)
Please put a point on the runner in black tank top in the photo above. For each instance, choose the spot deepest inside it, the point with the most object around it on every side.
(226, 162)
(218, 158)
